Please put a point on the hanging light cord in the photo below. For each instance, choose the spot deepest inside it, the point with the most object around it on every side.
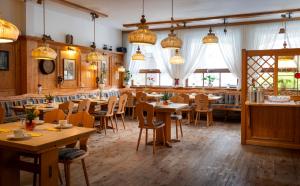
(44, 17)
(94, 29)
(143, 8)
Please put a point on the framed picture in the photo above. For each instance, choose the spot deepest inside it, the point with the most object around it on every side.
(4, 60)
(69, 69)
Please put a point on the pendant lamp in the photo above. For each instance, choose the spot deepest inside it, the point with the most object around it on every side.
(284, 31)
(210, 38)
(172, 41)
(142, 36)
(44, 52)
(8, 32)
(138, 56)
(94, 56)
(177, 59)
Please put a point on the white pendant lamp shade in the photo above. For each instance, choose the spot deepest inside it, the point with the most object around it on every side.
(210, 38)
(138, 56)
(44, 52)
(8, 32)
(177, 59)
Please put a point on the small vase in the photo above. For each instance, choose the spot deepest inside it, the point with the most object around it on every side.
(30, 125)
(165, 102)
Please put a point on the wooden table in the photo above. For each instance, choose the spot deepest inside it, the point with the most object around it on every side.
(211, 98)
(40, 107)
(45, 147)
(163, 112)
(97, 101)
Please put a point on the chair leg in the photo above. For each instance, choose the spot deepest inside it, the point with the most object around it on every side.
(67, 173)
(211, 118)
(154, 140)
(59, 175)
(163, 135)
(137, 147)
(116, 120)
(176, 129)
(207, 119)
(112, 123)
(146, 137)
(105, 123)
(35, 174)
(85, 172)
(189, 117)
(180, 125)
(123, 120)
(196, 118)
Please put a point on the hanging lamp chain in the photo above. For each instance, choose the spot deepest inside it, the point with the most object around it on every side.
(225, 26)
(44, 36)
(94, 17)
(143, 20)
(172, 19)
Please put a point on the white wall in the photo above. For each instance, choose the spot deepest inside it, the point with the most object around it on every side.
(14, 12)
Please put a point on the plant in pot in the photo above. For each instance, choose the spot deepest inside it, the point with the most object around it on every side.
(165, 98)
(49, 98)
(31, 114)
(127, 77)
(210, 80)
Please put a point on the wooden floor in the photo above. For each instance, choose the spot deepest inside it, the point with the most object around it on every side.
(205, 156)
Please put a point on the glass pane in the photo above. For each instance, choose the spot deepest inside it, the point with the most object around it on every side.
(228, 80)
(196, 79)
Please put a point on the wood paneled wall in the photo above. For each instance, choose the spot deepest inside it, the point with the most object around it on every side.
(24, 74)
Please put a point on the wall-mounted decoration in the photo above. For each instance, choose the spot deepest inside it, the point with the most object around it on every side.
(69, 39)
(46, 66)
(69, 69)
(4, 60)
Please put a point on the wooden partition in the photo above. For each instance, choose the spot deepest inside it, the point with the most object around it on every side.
(24, 75)
(268, 123)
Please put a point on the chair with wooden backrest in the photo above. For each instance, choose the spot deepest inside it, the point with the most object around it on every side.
(130, 103)
(189, 110)
(202, 105)
(54, 116)
(121, 110)
(67, 108)
(177, 116)
(69, 155)
(148, 122)
(108, 114)
(140, 97)
(2, 113)
(84, 105)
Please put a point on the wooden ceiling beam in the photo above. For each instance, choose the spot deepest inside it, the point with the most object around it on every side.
(228, 24)
(246, 15)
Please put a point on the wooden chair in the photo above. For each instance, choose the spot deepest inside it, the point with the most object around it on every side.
(140, 97)
(69, 155)
(202, 105)
(54, 116)
(84, 105)
(121, 110)
(189, 110)
(148, 122)
(2, 114)
(177, 116)
(130, 104)
(67, 108)
(109, 114)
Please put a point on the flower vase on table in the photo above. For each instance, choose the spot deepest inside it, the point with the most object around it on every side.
(30, 125)
(165, 98)
(31, 114)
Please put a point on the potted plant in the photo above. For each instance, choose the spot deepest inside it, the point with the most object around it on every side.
(49, 98)
(210, 80)
(31, 114)
(127, 77)
(165, 98)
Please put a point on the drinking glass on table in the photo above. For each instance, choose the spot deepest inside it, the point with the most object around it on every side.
(22, 122)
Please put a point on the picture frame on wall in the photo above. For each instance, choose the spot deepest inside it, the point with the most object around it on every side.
(69, 69)
(4, 60)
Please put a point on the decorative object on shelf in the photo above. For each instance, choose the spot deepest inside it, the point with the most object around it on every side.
(122, 49)
(210, 80)
(94, 56)
(297, 75)
(44, 51)
(177, 59)
(210, 38)
(165, 98)
(172, 41)
(110, 48)
(151, 80)
(46, 66)
(60, 80)
(8, 32)
(4, 60)
(284, 31)
(69, 69)
(31, 114)
(40, 89)
(142, 36)
(127, 77)
(49, 98)
(105, 47)
(69, 39)
(138, 56)
(176, 82)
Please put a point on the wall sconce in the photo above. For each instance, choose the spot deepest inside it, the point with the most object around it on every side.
(60, 80)
(94, 66)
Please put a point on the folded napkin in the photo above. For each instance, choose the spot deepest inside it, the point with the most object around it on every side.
(4, 130)
(35, 134)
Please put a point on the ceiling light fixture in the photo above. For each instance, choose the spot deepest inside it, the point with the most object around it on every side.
(210, 38)
(177, 59)
(138, 56)
(284, 31)
(8, 32)
(142, 36)
(172, 41)
(94, 56)
(44, 52)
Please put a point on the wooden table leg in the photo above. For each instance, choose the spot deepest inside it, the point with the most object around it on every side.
(166, 117)
(9, 171)
(48, 168)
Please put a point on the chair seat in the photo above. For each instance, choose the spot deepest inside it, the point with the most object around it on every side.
(67, 154)
(209, 110)
(156, 123)
(189, 108)
(176, 117)
(100, 113)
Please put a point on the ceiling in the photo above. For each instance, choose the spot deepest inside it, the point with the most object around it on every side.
(129, 11)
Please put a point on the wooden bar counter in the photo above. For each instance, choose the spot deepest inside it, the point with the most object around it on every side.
(271, 124)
